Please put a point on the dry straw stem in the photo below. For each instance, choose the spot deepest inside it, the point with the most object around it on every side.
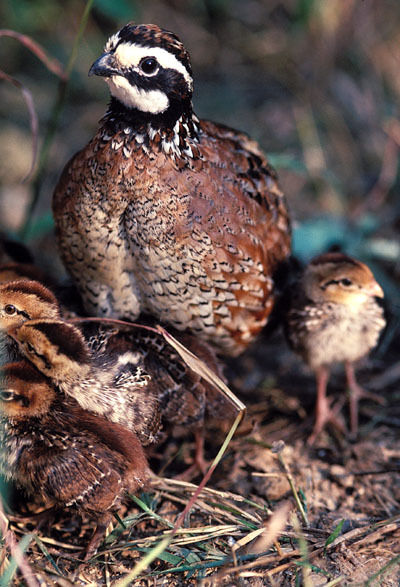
(264, 537)
(55, 115)
(306, 553)
(11, 543)
(278, 449)
(32, 117)
(159, 548)
(52, 65)
(204, 371)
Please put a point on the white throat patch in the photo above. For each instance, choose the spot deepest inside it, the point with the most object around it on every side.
(153, 101)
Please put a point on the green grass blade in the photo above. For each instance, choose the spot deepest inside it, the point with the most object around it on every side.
(46, 553)
(332, 537)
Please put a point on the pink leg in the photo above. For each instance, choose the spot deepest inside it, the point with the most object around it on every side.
(199, 463)
(356, 393)
(323, 411)
(98, 535)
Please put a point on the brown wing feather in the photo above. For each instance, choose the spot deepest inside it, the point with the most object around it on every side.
(218, 225)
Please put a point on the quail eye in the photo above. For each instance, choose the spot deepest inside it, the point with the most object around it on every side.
(30, 347)
(149, 65)
(10, 309)
(6, 396)
(346, 281)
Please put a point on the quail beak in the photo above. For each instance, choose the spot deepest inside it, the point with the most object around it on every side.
(375, 290)
(104, 66)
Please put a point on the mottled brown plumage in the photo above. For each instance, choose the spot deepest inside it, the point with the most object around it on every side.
(166, 214)
(183, 397)
(57, 451)
(114, 384)
(334, 318)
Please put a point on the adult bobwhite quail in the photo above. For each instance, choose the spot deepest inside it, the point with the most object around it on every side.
(334, 317)
(166, 214)
(55, 450)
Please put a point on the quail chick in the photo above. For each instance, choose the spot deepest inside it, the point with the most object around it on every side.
(134, 377)
(165, 214)
(114, 384)
(71, 458)
(334, 318)
(186, 399)
(22, 300)
(183, 398)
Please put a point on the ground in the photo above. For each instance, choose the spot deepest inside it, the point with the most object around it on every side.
(351, 487)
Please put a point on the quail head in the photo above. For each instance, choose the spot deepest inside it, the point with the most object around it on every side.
(22, 300)
(71, 458)
(114, 384)
(166, 214)
(334, 317)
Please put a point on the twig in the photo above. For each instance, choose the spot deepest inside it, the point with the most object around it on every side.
(32, 118)
(54, 118)
(51, 63)
(293, 488)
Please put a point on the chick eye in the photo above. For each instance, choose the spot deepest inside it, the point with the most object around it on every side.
(10, 309)
(6, 396)
(346, 281)
(148, 65)
(30, 347)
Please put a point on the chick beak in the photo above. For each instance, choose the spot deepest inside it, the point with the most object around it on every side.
(103, 66)
(374, 289)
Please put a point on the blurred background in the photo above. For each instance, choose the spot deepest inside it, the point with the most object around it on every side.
(314, 81)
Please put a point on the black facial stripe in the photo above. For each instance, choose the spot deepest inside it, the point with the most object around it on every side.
(42, 357)
(166, 81)
(24, 314)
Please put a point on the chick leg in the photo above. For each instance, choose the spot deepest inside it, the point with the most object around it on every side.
(324, 413)
(98, 535)
(199, 463)
(356, 393)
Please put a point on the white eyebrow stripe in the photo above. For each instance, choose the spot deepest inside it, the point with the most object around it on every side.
(112, 42)
(130, 55)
